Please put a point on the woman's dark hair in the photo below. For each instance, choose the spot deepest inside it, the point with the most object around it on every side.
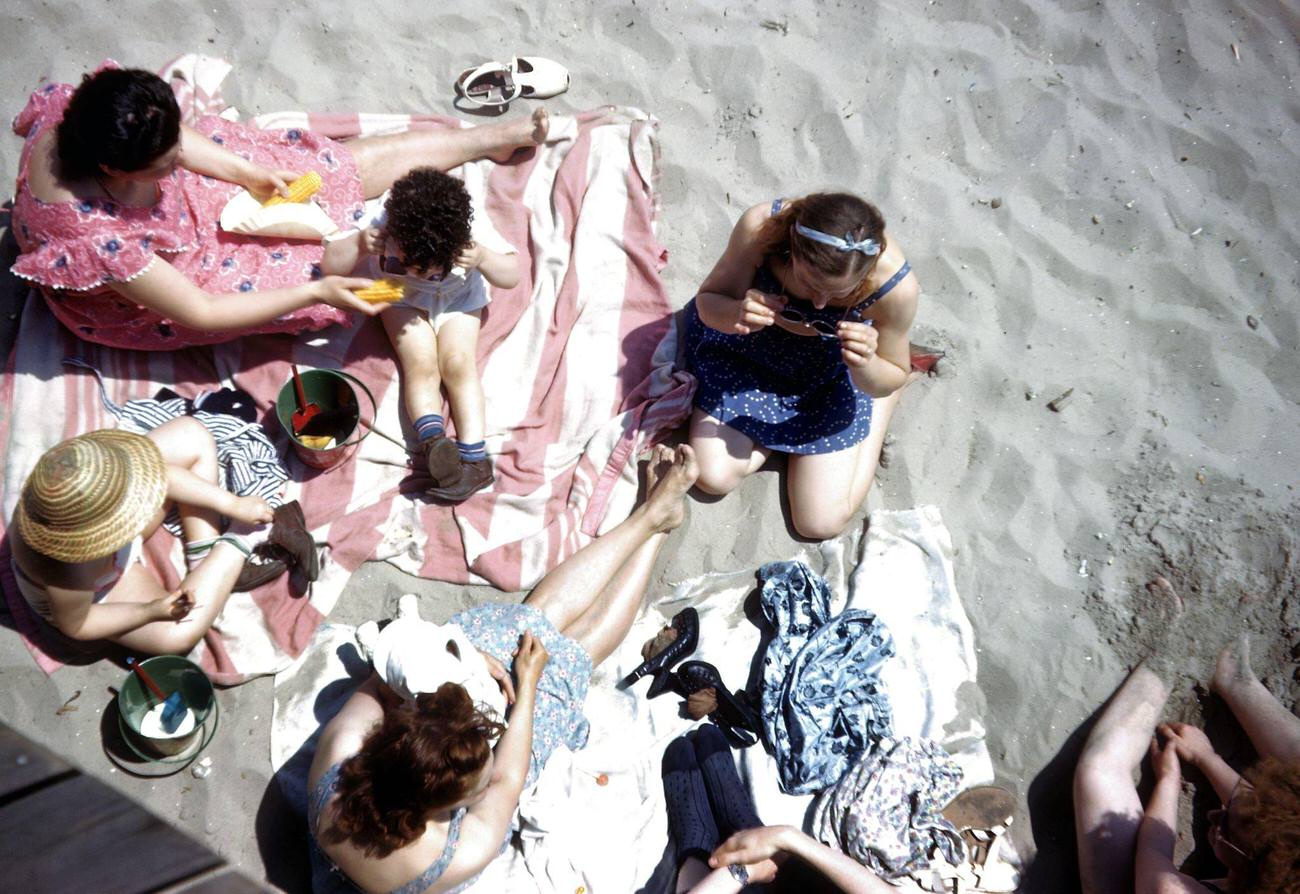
(836, 214)
(1267, 828)
(428, 217)
(124, 118)
(424, 756)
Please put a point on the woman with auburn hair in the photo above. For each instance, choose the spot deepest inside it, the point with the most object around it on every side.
(413, 796)
(799, 340)
(1124, 847)
(118, 204)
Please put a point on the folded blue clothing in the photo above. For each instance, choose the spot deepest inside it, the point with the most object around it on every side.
(823, 703)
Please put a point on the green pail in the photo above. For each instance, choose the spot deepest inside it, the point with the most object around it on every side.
(134, 701)
(335, 392)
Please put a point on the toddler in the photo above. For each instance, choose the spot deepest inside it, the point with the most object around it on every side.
(426, 234)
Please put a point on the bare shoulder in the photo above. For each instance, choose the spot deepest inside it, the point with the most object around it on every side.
(345, 733)
(754, 217)
(41, 177)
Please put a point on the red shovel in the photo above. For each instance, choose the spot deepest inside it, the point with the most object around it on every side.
(305, 412)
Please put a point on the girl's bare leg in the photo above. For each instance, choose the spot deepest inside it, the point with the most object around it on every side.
(1273, 730)
(383, 159)
(726, 457)
(580, 582)
(210, 585)
(827, 489)
(184, 442)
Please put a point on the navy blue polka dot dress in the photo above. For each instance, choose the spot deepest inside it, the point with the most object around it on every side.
(790, 393)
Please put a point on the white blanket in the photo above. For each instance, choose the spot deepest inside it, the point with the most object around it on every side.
(614, 838)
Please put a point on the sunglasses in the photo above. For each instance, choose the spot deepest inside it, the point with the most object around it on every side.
(1219, 820)
(823, 328)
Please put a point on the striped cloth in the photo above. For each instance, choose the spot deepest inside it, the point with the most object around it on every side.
(248, 461)
(576, 362)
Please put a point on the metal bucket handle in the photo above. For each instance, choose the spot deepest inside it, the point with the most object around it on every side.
(362, 426)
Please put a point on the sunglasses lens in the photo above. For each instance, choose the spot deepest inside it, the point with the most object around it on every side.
(791, 315)
(824, 327)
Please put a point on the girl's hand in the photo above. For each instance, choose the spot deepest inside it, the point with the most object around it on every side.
(1165, 761)
(264, 182)
(530, 658)
(173, 606)
(858, 343)
(501, 675)
(1189, 742)
(251, 510)
(336, 291)
(372, 240)
(759, 850)
(757, 310)
(470, 257)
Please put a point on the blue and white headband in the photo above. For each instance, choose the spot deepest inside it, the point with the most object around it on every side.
(869, 247)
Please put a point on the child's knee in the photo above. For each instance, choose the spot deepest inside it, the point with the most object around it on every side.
(719, 478)
(458, 367)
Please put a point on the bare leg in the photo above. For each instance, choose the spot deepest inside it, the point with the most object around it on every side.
(383, 159)
(580, 581)
(1107, 809)
(210, 584)
(826, 489)
(457, 346)
(1273, 730)
(726, 456)
(417, 353)
(184, 442)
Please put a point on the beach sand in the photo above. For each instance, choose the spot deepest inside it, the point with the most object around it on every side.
(1095, 196)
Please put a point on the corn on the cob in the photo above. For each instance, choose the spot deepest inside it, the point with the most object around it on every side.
(383, 290)
(300, 190)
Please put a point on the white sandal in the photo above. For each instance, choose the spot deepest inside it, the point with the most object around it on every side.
(495, 85)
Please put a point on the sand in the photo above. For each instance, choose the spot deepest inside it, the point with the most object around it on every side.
(1096, 196)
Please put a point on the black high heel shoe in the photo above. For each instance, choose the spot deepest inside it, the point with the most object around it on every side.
(733, 715)
(687, 624)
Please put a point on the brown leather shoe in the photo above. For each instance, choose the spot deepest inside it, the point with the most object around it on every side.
(443, 459)
(289, 532)
(256, 574)
(474, 476)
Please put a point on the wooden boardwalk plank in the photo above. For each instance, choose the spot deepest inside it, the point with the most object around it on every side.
(81, 835)
(23, 763)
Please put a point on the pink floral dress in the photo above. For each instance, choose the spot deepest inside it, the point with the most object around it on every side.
(75, 250)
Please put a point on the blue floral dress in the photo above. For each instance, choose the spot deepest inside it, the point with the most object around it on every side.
(787, 392)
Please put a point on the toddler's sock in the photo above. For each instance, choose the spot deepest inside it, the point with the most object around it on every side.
(472, 452)
(429, 426)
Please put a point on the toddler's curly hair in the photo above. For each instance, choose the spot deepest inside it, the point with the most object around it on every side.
(428, 217)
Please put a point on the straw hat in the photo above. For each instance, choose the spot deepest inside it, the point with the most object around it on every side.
(91, 495)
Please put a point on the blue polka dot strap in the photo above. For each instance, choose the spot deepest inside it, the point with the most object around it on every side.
(886, 288)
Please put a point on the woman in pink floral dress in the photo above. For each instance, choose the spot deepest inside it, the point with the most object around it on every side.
(117, 211)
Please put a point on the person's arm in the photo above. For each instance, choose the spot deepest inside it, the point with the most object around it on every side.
(202, 156)
(1154, 869)
(725, 300)
(165, 290)
(879, 355)
(188, 489)
(753, 846)
(490, 817)
(79, 618)
(1193, 746)
(498, 268)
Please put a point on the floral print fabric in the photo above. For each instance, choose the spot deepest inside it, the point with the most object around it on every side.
(76, 250)
(823, 702)
(885, 812)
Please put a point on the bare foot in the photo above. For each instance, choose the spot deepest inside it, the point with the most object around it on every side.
(252, 510)
(524, 132)
(670, 474)
(1164, 592)
(1233, 667)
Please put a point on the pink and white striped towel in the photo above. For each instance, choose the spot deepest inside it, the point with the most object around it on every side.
(576, 361)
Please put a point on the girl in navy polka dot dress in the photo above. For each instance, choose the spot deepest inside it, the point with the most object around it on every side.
(799, 340)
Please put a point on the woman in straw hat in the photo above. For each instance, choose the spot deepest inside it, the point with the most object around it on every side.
(82, 519)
